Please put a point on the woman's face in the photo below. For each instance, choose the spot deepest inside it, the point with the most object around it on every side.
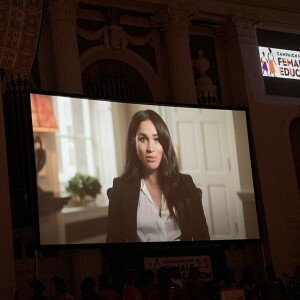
(148, 147)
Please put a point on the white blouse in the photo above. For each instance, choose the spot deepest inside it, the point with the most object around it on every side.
(152, 226)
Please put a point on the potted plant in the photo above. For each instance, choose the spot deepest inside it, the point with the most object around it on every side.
(83, 188)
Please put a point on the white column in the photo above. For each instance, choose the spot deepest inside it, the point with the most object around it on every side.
(244, 27)
(175, 24)
(270, 132)
(7, 272)
(229, 37)
(62, 17)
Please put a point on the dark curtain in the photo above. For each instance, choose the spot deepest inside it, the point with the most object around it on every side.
(20, 151)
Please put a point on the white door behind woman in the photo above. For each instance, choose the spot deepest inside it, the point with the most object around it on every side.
(206, 148)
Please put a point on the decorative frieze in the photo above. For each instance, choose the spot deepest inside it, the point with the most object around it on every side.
(245, 26)
(114, 36)
(20, 23)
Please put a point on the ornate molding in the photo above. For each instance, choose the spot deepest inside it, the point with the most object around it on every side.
(115, 37)
(245, 26)
(61, 10)
(238, 29)
(173, 20)
(205, 88)
(20, 23)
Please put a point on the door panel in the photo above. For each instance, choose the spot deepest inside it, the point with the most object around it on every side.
(203, 140)
(212, 147)
(220, 222)
(188, 156)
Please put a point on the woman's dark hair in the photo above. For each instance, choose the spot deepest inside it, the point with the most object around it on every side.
(168, 169)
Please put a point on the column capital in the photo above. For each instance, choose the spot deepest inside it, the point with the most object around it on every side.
(245, 27)
(174, 23)
(62, 18)
(61, 10)
(172, 19)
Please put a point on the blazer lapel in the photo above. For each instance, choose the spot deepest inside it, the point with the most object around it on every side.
(131, 192)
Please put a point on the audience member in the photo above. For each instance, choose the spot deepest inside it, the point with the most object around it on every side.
(249, 284)
(170, 285)
(229, 279)
(88, 289)
(177, 284)
(272, 288)
(165, 286)
(130, 290)
(294, 285)
(61, 289)
(194, 285)
(106, 291)
(148, 287)
(38, 290)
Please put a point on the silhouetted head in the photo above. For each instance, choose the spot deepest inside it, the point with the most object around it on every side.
(247, 273)
(270, 271)
(105, 280)
(88, 285)
(59, 284)
(38, 286)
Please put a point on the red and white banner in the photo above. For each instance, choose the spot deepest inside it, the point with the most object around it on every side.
(183, 263)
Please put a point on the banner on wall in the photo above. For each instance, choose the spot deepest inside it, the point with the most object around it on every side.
(183, 264)
(280, 63)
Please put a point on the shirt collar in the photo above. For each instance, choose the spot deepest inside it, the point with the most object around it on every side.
(144, 190)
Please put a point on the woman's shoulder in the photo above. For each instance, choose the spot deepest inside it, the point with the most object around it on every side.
(120, 180)
(122, 183)
(186, 182)
(185, 178)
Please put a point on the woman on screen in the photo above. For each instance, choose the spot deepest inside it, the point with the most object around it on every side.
(151, 201)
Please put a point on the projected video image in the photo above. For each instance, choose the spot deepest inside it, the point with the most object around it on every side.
(117, 172)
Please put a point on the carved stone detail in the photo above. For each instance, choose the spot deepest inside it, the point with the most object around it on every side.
(114, 37)
(61, 10)
(206, 90)
(245, 26)
(173, 21)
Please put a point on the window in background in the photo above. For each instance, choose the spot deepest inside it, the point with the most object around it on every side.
(85, 141)
(74, 139)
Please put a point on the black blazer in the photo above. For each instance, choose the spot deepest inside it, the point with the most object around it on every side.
(123, 203)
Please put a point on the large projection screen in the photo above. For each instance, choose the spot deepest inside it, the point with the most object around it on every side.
(212, 145)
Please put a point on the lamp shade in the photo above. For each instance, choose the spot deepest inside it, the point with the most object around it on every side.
(43, 119)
